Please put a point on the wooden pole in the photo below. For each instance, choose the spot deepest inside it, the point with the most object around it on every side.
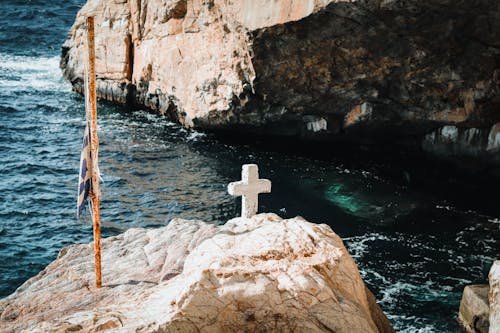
(94, 149)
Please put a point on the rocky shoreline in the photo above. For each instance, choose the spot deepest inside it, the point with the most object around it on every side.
(414, 73)
(258, 274)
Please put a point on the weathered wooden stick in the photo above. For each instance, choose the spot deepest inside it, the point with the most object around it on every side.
(94, 149)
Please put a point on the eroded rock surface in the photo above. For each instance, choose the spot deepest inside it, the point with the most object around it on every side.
(474, 309)
(480, 305)
(371, 71)
(494, 297)
(259, 274)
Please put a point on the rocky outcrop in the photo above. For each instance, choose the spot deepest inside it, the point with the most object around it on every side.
(480, 305)
(480, 144)
(372, 71)
(474, 309)
(260, 274)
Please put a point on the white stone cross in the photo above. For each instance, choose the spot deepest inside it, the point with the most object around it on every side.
(249, 188)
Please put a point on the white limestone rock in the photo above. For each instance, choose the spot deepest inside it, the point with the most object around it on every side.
(474, 311)
(494, 297)
(258, 274)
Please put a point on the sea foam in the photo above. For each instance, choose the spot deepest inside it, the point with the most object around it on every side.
(25, 73)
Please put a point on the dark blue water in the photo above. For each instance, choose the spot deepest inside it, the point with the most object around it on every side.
(416, 248)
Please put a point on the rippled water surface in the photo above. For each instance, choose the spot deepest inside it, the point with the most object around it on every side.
(416, 248)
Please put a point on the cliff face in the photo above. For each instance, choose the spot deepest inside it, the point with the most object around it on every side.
(365, 71)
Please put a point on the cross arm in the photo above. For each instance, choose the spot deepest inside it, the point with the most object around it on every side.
(236, 188)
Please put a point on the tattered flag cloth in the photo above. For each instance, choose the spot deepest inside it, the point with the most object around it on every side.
(89, 166)
(85, 173)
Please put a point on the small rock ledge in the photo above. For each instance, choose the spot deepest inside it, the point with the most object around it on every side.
(260, 274)
(480, 305)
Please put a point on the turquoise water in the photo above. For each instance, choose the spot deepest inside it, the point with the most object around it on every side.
(416, 246)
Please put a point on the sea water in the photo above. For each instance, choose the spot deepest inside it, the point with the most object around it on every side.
(416, 247)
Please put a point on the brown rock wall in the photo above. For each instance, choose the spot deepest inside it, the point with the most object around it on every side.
(303, 68)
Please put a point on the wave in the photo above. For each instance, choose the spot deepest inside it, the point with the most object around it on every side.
(410, 272)
(412, 324)
(27, 74)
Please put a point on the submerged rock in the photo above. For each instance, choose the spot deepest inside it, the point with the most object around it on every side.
(259, 274)
(364, 71)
